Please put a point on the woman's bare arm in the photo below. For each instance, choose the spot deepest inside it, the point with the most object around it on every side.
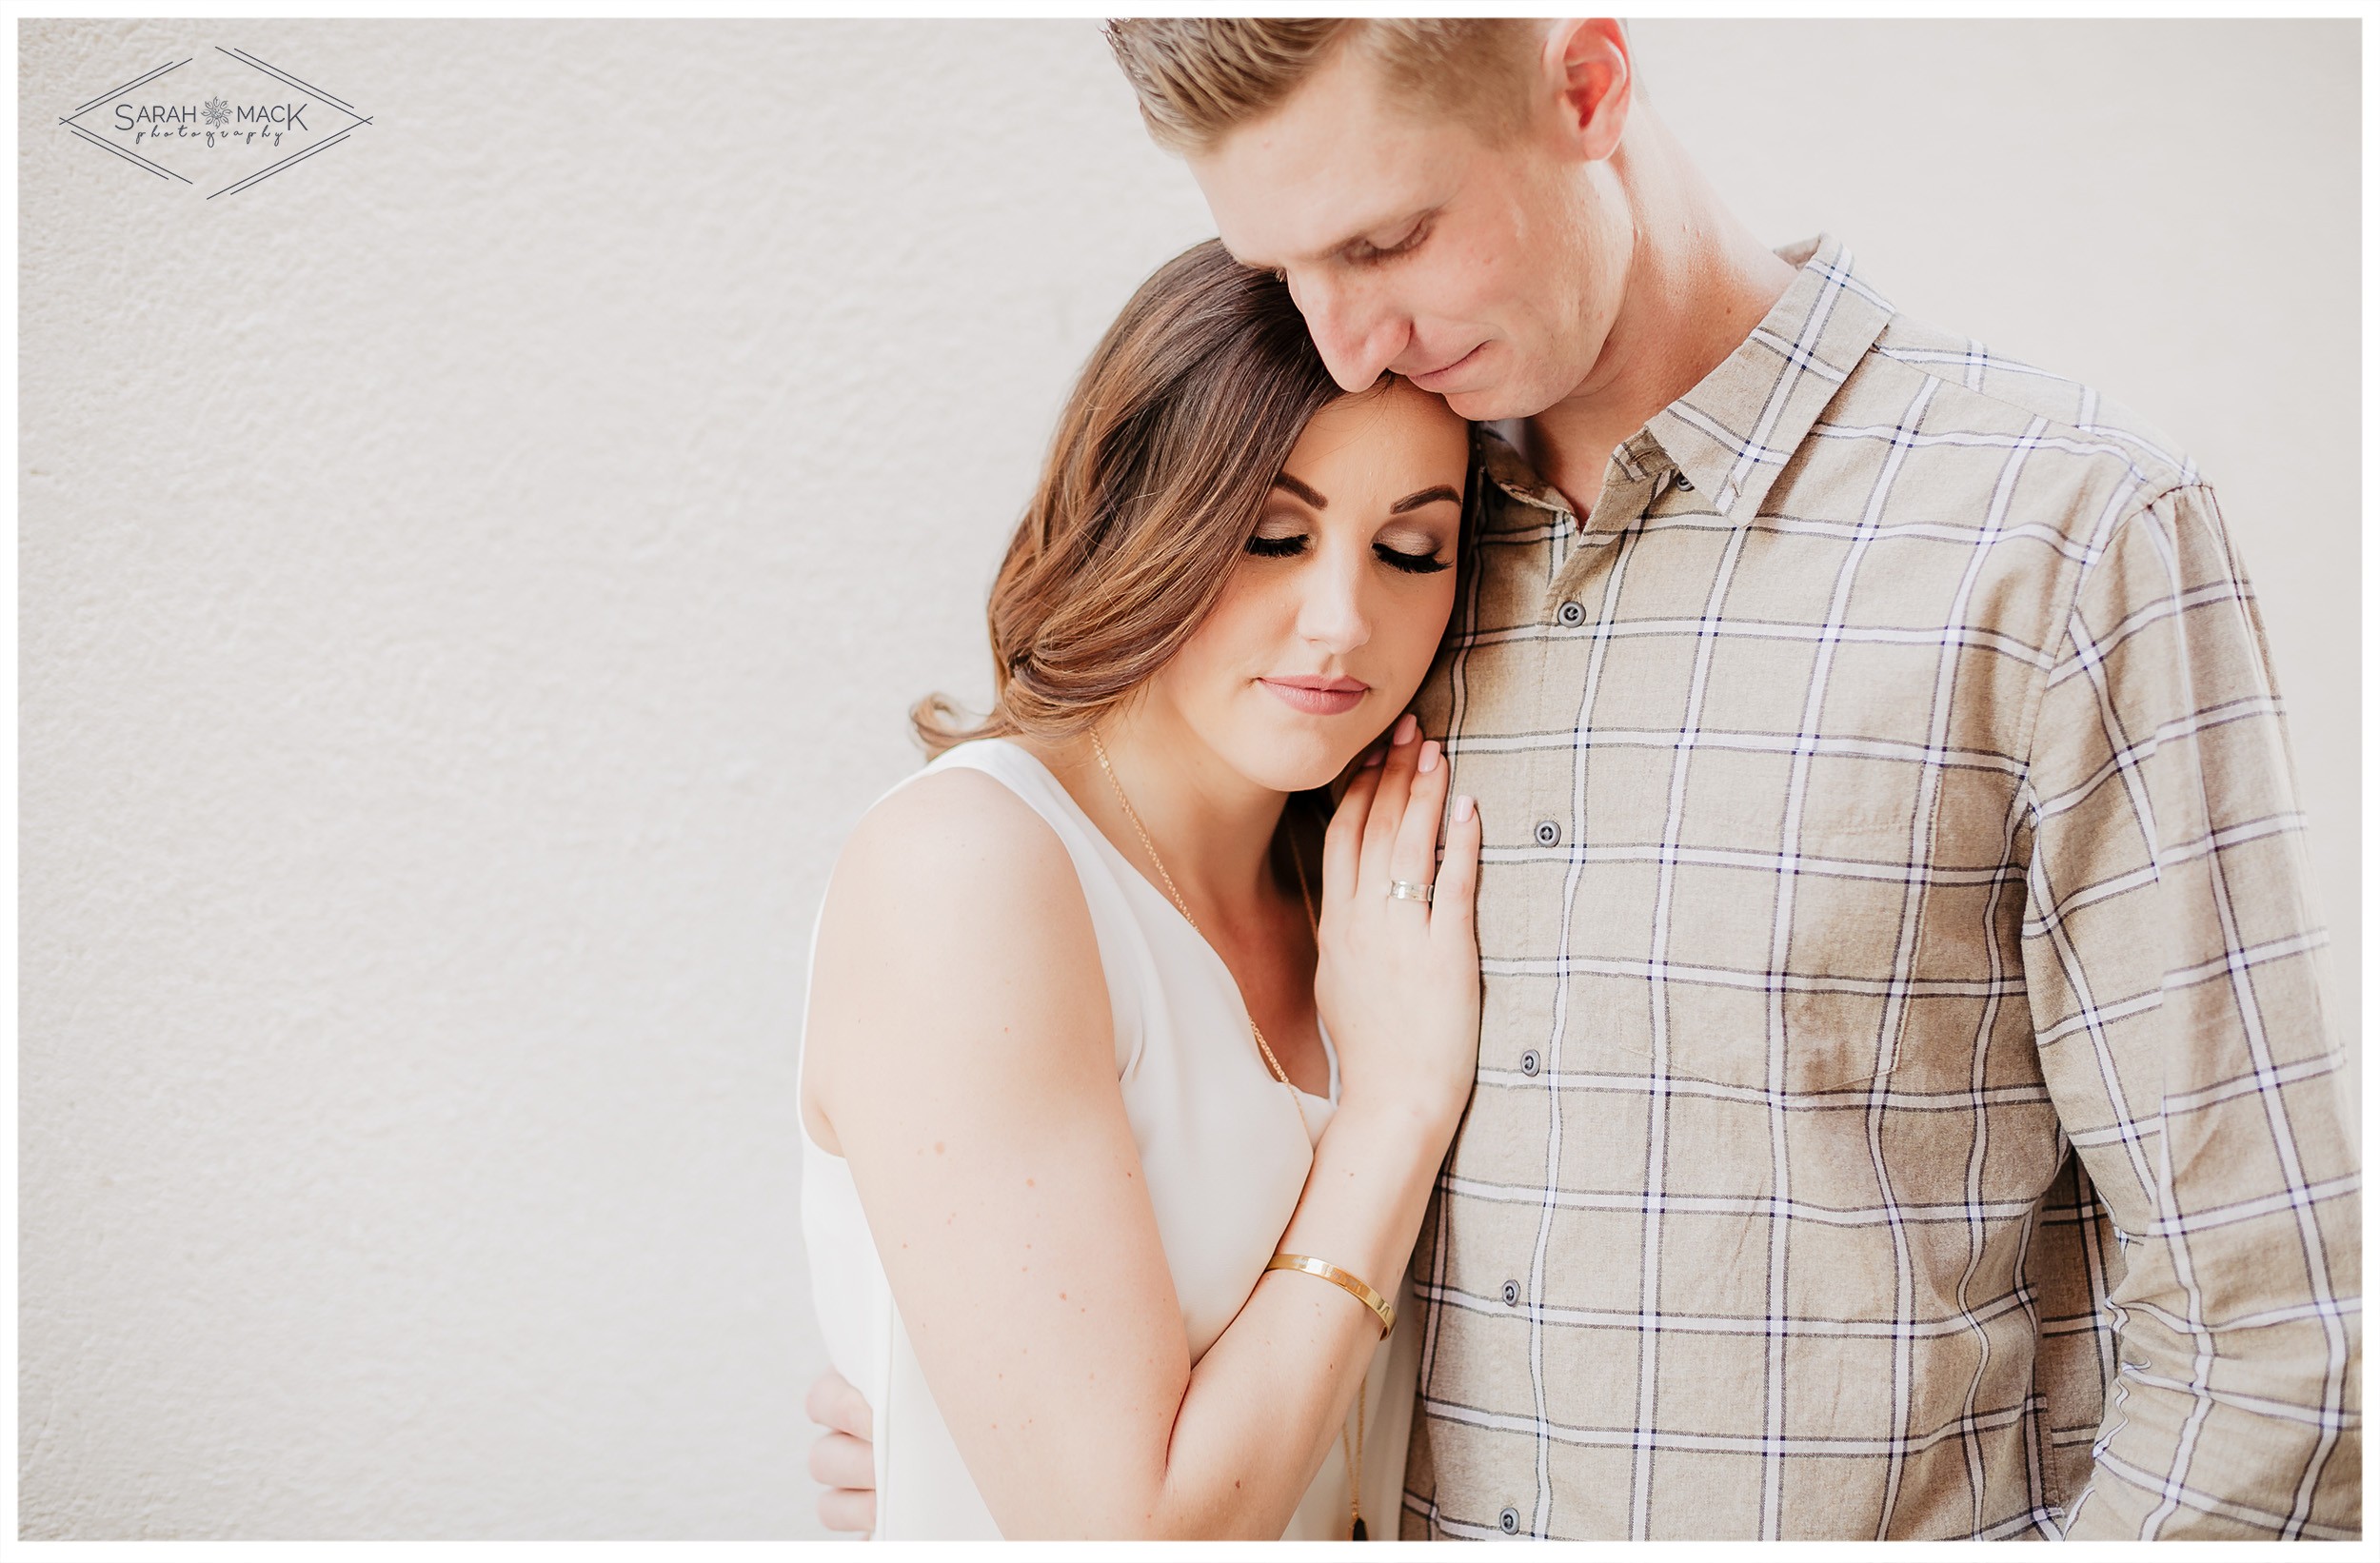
(961, 1053)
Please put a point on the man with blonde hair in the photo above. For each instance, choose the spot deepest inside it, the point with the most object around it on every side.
(1906, 1105)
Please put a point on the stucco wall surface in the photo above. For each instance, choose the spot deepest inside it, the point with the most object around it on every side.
(470, 583)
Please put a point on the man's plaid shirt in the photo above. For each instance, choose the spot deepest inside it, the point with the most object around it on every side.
(1906, 1105)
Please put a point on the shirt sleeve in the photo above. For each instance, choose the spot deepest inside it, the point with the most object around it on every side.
(2177, 976)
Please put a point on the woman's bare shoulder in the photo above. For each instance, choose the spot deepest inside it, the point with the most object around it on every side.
(955, 926)
(959, 835)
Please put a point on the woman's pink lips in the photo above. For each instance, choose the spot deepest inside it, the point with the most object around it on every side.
(1319, 697)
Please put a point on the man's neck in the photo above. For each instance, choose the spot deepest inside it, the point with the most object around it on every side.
(1698, 283)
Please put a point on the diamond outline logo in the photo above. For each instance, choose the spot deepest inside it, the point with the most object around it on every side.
(218, 112)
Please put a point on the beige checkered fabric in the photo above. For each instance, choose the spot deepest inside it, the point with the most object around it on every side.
(1906, 1105)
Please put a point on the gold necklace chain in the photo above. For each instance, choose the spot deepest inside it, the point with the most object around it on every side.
(1133, 815)
(1363, 1385)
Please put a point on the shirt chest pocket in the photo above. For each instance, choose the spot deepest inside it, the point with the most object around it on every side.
(1781, 967)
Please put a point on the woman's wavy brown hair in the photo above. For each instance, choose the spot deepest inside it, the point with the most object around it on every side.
(1156, 479)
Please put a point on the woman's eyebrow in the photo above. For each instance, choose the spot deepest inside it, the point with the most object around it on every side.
(1427, 496)
(1311, 496)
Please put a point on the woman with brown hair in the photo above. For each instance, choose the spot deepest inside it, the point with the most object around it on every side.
(1125, 1080)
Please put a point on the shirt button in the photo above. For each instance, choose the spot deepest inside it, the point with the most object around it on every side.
(1572, 615)
(1548, 833)
(1512, 1294)
(1509, 1522)
(1529, 1062)
(1685, 482)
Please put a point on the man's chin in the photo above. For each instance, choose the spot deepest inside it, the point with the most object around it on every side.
(1489, 403)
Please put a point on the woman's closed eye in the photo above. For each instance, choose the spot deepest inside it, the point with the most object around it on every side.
(1410, 563)
(1290, 544)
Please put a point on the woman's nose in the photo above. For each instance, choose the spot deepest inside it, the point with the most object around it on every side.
(1333, 613)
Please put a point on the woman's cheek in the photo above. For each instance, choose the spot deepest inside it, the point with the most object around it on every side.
(1217, 657)
(1418, 643)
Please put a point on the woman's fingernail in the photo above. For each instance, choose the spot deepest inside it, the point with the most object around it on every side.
(1371, 760)
(1429, 757)
(1406, 727)
(1463, 806)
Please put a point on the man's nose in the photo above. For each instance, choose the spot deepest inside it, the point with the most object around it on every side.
(1356, 337)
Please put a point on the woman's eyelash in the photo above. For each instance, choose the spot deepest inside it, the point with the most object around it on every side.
(1295, 544)
(1410, 563)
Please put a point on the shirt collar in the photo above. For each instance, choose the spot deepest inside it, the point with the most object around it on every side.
(1503, 464)
(1734, 431)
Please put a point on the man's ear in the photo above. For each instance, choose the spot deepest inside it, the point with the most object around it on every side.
(1586, 67)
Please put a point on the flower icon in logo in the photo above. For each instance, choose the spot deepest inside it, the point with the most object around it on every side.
(217, 112)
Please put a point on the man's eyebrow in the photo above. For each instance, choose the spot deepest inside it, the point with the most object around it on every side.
(1309, 495)
(1427, 496)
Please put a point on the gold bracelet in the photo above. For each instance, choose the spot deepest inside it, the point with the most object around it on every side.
(1354, 1284)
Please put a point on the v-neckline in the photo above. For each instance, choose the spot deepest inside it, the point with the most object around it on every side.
(1330, 1051)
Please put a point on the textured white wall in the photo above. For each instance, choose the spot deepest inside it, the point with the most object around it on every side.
(470, 584)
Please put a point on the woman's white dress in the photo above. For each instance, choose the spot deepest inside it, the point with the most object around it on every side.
(1224, 1157)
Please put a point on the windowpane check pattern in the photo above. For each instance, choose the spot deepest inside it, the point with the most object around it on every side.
(1906, 1102)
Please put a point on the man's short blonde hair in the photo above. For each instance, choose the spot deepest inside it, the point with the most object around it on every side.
(1198, 77)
